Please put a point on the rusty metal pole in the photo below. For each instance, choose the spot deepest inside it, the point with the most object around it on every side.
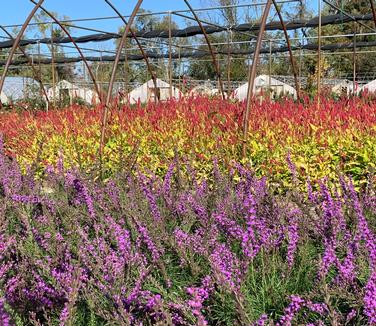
(252, 75)
(214, 59)
(169, 55)
(319, 58)
(354, 64)
(112, 80)
(32, 65)
(270, 65)
(16, 43)
(89, 70)
(179, 60)
(53, 67)
(229, 41)
(373, 11)
(292, 60)
(139, 45)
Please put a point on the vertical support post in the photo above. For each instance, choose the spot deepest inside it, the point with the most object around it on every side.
(179, 67)
(229, 41)
(84, 77)
(354, 64)
(169, 55)
(270, 64)
(252, 75)
(53, 65)
(126, 68)
(301, 60)
(319, 57)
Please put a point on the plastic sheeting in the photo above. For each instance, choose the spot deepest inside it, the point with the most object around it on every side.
(67, 89)
(3, 98)
(265, 83)
(146, 92)
(19, 88)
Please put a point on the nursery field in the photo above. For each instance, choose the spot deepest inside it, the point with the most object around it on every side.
(181, 229)
(339, 136)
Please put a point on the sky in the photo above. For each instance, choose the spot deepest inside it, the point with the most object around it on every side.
(15, 11)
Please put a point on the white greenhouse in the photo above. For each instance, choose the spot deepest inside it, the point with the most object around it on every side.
(65, 89)
(19, 88)
(370, 87)
(147, 92)
(345, 87)
(265, 83)
(3, 98)
(200, 90)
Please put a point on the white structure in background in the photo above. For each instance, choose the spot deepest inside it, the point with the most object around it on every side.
(65, 89)
(201, 90)
(147, 92)
(3, 98)
(214, 92)
(265, 83)
(345, 87)
(20, 88)
(370, 87)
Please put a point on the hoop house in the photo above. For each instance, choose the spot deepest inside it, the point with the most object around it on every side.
(147, 92)
(264, 83)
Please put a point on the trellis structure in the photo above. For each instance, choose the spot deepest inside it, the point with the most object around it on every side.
(204, 27)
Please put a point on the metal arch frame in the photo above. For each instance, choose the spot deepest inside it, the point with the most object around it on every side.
(214, 59)
(252, 75)
(36, 73)
(292, 61)
(373, 11)
(139, 45)
(253, 68)
(77, 48)
(112, 80)
(17, 42)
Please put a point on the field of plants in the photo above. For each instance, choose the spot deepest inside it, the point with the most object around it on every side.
(181, 229)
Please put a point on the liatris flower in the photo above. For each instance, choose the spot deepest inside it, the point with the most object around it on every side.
(293, 236)
(347, 269)
(370, 299)
(250, 244)
(261, 321)
(295, 305)
(329, 258)
(226, 267)
(199, 295)
(167, 182)
(151, 199)
(351, 315)
(146, 239)
(4, 316)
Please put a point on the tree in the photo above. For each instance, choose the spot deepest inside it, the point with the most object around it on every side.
(44, 29)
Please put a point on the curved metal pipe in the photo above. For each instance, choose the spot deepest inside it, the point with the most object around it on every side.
(373, 11)
(77, 48)
(134, 36)
(215, 62)
(17, 42)
(252, 75)
(36, 73)
(292, 61)
(112, 80)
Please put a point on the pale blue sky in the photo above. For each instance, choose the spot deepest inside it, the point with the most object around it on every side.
(15, 11)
